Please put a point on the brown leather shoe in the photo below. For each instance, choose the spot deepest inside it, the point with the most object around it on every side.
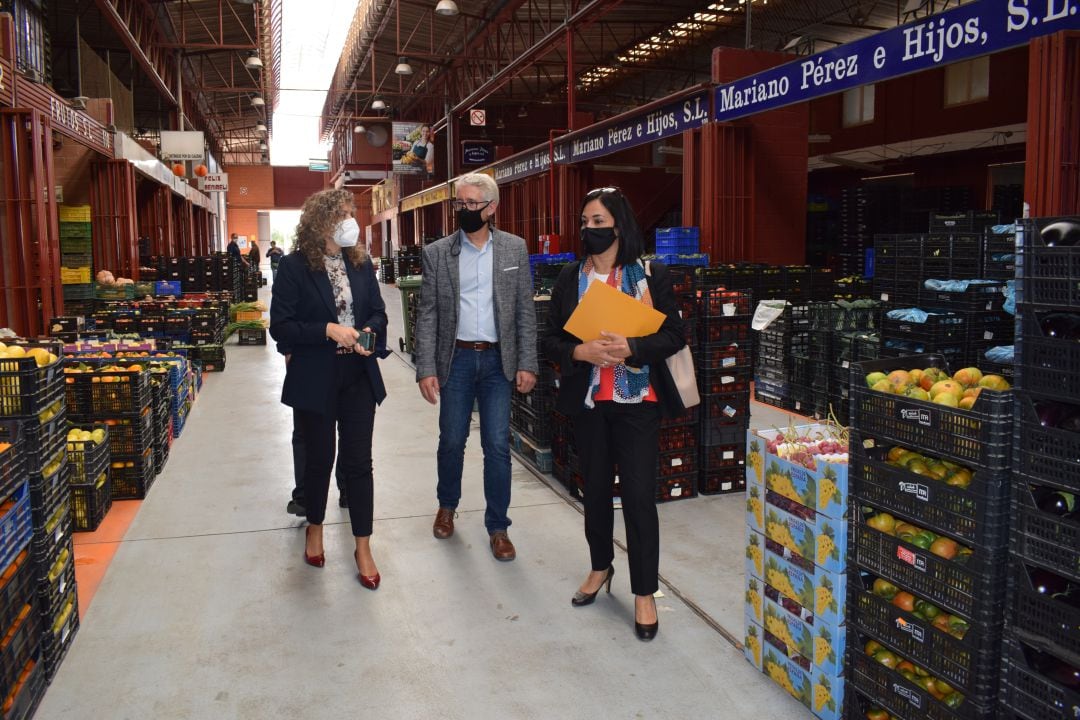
(501, 547)
(444, 523)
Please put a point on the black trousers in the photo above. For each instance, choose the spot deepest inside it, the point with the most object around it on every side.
(354, 422)
(299, 458)
(627, 436)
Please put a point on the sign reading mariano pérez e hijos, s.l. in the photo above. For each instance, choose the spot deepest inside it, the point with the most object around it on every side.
(967, 31)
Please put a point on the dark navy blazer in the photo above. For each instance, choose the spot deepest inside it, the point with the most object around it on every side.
(302, 305)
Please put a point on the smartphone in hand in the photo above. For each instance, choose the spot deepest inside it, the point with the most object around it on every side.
(366, 340)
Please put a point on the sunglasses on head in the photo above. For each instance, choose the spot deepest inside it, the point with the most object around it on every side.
(610, 190)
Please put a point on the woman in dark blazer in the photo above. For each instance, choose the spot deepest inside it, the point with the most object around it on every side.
(326, 303)
(616, 389)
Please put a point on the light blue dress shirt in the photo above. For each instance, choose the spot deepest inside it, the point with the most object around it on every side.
(476, 306)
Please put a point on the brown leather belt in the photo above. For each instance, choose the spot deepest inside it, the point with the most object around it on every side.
(478, 346)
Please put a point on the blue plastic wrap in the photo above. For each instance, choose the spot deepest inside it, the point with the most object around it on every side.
(1002, 354)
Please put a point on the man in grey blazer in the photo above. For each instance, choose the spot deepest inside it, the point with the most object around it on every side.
(475, 341)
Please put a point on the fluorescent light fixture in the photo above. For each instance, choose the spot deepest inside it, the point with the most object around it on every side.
(358, 128)
(253, 62)
(403, 66)
(257, 101)
(378, 104)
(446, 8)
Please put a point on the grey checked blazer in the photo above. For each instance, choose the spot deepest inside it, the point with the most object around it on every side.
(437, 314)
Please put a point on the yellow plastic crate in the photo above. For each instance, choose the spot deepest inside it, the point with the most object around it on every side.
(74, 213)
(74, 276)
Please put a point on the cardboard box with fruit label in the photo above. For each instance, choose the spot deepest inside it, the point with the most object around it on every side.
(805, 464)
(803, 532)
(820, 643)
(819, 691)
(753, 638)
(759, 596)
(820, 591)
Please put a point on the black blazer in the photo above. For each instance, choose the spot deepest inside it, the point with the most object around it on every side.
(302, 305)
(649, 350)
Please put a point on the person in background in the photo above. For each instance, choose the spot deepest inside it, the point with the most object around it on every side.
(616, 389)
(233, 248)
(274, 255)
(475, 342)
(328, 312)
(254, 256)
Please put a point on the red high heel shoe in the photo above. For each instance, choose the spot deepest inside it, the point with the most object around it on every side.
(371, 582)
(313, 560)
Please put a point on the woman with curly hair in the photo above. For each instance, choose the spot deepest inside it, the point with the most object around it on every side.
(328, 316)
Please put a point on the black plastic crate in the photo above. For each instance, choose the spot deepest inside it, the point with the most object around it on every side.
(27, 690)
(979, 297)
(107, 393)
(1047, 614)
(1049, 364)
(970, 221)
(131, 475)
(716, 382)
(49, 490)
(971, 664)
(13, 459)
(721, 481)
(1044, 539)
(50, 538)
(21, 643)
(56, 580)
(130, 435)
(676, 487)
(724, 330)
(27, 390)
(1041, 451)
(973, 589)
(939, 329)
(977, 437)
(716, 433)
(729, 358)
(41, 439)
(212, 356)
(976, 515)
(251, 336)
(689, 416)
(17, 583)
(1029, 692)
(719, 303)
(1048, 264)
(86, 458)
(819, 345)
(727, 408)
(535, 428)
(57, 636)
(90, 502)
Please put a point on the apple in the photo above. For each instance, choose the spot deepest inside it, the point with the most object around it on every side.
(994, 382)
(874, 378)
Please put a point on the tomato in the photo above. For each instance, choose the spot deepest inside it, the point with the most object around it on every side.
(871, 647)
(885, 657)
(904, 600)
(905, 665)
(877, 714)
(941, 622)
(945, 547)
(884, 588)
(953, 700)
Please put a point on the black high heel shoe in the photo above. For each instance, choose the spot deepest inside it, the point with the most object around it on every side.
(581, 599)
(646, 632)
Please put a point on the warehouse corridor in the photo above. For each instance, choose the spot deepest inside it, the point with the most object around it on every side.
(208, 610)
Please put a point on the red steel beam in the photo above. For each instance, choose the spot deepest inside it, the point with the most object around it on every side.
(134, 22)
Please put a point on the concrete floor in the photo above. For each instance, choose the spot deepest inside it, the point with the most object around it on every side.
(208, 610)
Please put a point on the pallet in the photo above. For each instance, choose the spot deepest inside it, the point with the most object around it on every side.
(539, 458)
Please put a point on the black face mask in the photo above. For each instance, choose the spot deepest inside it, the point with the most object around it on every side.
(597, 240)
(470, 220)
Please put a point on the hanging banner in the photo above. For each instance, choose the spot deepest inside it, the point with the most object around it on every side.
(414, 149)
(968, 31)
(670, 119)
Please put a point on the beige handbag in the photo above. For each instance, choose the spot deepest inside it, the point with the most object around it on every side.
(681, 367)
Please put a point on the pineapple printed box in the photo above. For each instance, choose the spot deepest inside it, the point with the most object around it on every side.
(821, 592)
(819, 691)
(796, 627)
(823, 487)
(803, 532)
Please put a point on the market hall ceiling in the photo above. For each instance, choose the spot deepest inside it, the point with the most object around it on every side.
(505, 55)
(202, 46)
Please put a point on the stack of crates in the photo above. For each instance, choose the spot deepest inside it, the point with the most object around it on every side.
(34, 395)
(796, 584)
(847, 330)
(723, 366)
(386, 270)
(22, 671)
(121, 399)
(408, 261)
(941, 332)
(930, 516)
(680, 246)
(161, 410)
(779, 345)
(1042, 641)
(986, 324)
(88, 477)
(999, 253)
(76, 259)
(679, 473)
(546, 268)
(530, 414)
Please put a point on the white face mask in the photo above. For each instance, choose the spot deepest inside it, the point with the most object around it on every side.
(347, 233)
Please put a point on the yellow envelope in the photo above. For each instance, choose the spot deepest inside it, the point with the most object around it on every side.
(602, 307)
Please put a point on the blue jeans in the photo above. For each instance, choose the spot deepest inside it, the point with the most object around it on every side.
(476, 376)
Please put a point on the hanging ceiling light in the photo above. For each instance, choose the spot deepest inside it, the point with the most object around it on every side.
(523, 112)
(262, 146)
(358, 128)
(446, 8)
(378, 104)
(253, 61)
(257, 101)
(403, 66)
(260, 128)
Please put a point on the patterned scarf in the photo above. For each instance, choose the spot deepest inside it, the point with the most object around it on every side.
(631, 384)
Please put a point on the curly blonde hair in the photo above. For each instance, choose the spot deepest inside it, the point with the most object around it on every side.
(320, 215)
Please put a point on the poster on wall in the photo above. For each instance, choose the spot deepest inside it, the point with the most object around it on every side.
(477, 152)
(414, 149)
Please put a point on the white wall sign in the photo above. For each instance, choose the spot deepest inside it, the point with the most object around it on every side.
(214, 182)
(182, 145)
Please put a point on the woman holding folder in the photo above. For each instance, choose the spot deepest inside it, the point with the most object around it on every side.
(616, 388)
